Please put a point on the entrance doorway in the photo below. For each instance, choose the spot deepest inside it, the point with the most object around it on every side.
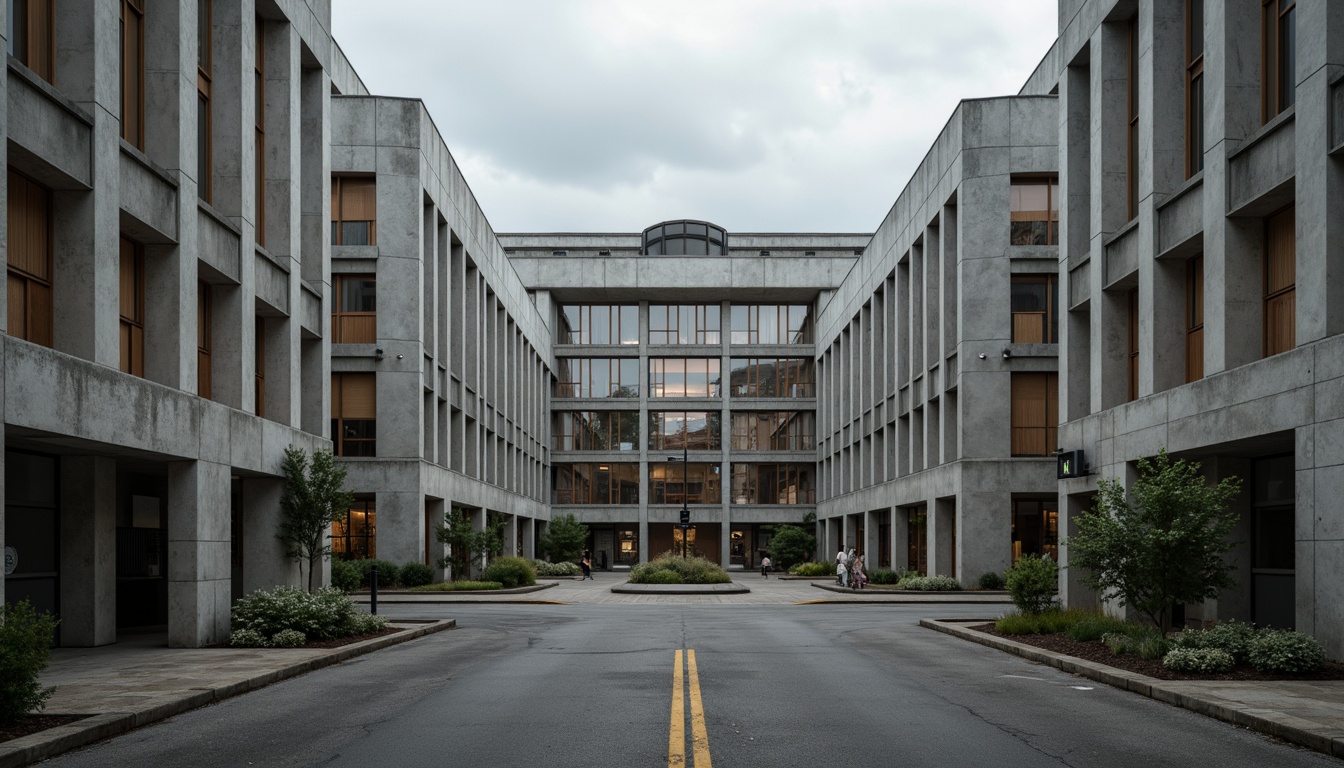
(1273, 559)
(917, 527)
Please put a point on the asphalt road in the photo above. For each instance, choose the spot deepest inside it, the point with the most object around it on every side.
(555, 686)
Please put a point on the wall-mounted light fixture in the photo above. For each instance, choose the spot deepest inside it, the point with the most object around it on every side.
(1007, 353)
(981, 355)
(378, 353)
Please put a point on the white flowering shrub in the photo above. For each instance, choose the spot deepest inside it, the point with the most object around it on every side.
(565, 568)
(288, 638)
(247, 638)
(1285, 651)
(321, 615)
(929, 583)
(1198, 660)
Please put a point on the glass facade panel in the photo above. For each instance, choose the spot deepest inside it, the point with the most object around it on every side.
(771, 323)
(599, 324)
(1035, 528)
(677, 483)
(773, 484)
(595, 431)
(354, 537)
(592, 483)
(597, 377)
(773, 430)
(684, 377)
(693, 430)
(771, 377)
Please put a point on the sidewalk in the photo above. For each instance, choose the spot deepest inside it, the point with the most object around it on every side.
(1305, 712)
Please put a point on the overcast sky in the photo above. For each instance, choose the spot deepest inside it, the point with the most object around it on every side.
(758, 115)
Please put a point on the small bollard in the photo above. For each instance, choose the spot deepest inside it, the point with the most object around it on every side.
(373, 590)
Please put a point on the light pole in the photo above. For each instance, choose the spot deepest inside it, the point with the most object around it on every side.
(685, 524)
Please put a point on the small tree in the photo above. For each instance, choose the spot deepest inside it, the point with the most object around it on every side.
(464, 544)
(25, 646)
(1032, 582)
(311, 502)
(791, 544)
(564, 538)
(1163, 548)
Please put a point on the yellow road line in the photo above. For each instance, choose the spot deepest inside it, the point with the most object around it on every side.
(676, 739)
(699, 737)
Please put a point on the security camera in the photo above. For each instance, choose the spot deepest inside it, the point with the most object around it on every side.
(1007, 353)
(378, 352)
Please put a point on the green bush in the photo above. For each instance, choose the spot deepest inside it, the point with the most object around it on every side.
(247, 638)
(1284, 651)
(1152, 645)
(991, 580)
(414, 574)
(25, 646)
(1018, 624)
(661, 577)
(288, 638)
(1094, 626)
(1198, 660)
(1032, 582)
(884, 576)
(1233, 637)
(692, 570)
(345, 575)
(511, 572)
(463, 585)
(321, 615)
(929, 583)
(388, 572)
(812, 569)
(564, 568)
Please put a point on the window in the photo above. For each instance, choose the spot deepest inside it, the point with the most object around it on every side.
(31, 30)
(1035, 528)
(677, 483)
(204, 337)
(133, 72)
(1132, 95)
(259, 89)
(684, 323)
(599, 324)
(693, 430)
(1194, 318)
(30, 315)
(773, 430)
(1035, 413)
(355, 319)
(204, 130)
(1133, 300)
(1280, 282)
(597, 377)
(1278, 56)
(1035, 304)
(773, 484)
(684, 377)
(614, 483)
(771, 377)
(596, 431)
(685, 238)
(771, 324)
(353, 210)
(1033, 210)
(354, 537)
(354, 414)
(132, 304)
(1194, 87)
(259, 365)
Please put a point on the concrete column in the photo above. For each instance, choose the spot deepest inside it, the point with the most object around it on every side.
(983, 544)
(530, 538)
(315, 239)
(198, 553)
(1072, 592)
(872, 534)
(942, 532)
(88, 550)
(511, 535)
(435, 552)
(401, 532)
(900, 538)
(1075, 184)
(265, 564)
(478, 520)
(643, 531)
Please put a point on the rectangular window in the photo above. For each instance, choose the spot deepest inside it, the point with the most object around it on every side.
(1133, 300)
(1278, 56)
(259, 89)
(1280, 282)
(773, 484)
(354, 536)
(1035, 304)
(614, 483)
(204, 130)
(771, 323)
(259, 365)
(133, 72)
(684, 377)
(1033, 210)
(1035, 528)
(771, 377)
(31, 30)
(595, 431)
(1194, 318)
(29, 279)
(132, 308)
(204, 339)
(597, 377)
(599, 324)
(677, 483)
(1035, 413)
(692, 430)
(684, 323)
(354, 320)
(354, 414)
(354, 209)
(1132, 96)
(1194, 87)
(773, 430)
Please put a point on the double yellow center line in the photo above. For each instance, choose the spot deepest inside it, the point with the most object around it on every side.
(676, 739)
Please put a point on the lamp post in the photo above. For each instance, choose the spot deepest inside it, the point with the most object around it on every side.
(685, 524)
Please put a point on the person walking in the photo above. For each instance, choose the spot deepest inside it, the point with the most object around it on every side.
(850, 559)
(840, 566)
(765, 566)
(858, 579)
(587, 564)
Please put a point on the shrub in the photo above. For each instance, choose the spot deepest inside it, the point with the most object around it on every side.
(1032, 582)
(463, 585)
(791, 544)
(1284, 651)
(25, 646)
(320, 615)
(345, 575)
(660, 577)
(247, 638)
(366, 624)
(1233, 637)
(884, 576)
(1095, 626)
(414, 574)
(388, 572)
(564, 537)
(813, 569)
(929, 583)
(288, 638)
(1118, 642)
(991, 580)
(564, 568)
(511, 572)
(1152, 645)
(1017, 624)
(692, 570)
(1199, 660)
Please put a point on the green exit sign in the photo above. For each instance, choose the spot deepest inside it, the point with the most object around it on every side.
(1070, 465)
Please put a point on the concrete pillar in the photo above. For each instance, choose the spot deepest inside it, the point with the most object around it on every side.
(478, 520)
(900, 539)
(872, 534)
(530, 538)
(314, 235)
(1072, 592)
(88, 550)
(265, 564)
(942, 532)
(198, 553)
(643, 530)
(1075, 184)
(401, 530)
(511, 535)
(983, 540)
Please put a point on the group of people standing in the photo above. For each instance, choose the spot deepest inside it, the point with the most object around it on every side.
(849, 569)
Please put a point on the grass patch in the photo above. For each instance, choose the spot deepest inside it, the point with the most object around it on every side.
(459, 586)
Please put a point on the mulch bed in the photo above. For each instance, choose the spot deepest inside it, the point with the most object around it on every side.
(336, 642)
(1098, 652)
(34, 723)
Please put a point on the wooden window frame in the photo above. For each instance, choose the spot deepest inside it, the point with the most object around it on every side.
(30, 277)
(344, 535)
(338, 203)
(1049, 318)
(1274, 339)
(1194, 318)
(1051, 184)
(341, 443)
(348, 326)
(1132, 113)
(204, 339)
(1132, 301)
(1027, 432)
(1276, 95)
(39, 22)
(133, 74)
(132, 307)
(1194, 87)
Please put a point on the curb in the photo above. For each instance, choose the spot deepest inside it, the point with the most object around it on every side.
(1329, 741)
(363, 597)
(54, 741)
(731, 588)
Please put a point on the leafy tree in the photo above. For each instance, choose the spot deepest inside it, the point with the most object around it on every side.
(25, 646)
(311, 502)
(465, 544)
(1163, 548)
(564, 538)
(791, 544)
